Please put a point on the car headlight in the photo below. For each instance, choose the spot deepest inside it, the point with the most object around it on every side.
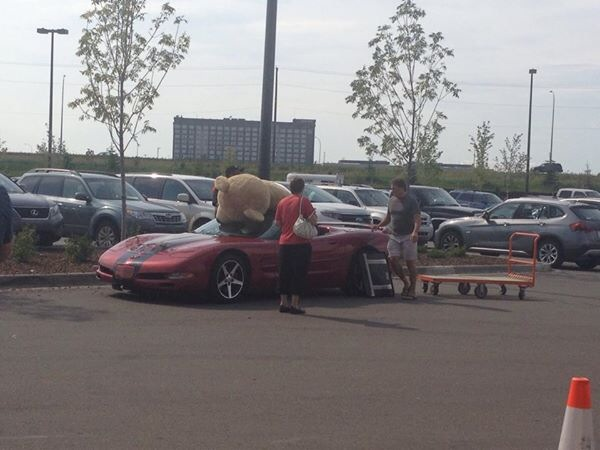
(137, 214)
(332, 215)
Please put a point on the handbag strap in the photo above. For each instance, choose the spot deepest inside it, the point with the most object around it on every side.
(300, 208)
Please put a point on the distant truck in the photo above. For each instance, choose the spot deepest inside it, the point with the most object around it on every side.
(577, 193)
(318, 178)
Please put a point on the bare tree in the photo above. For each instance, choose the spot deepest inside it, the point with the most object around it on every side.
(512, 160)
(399, 93)
(125, 68)
(481, 144)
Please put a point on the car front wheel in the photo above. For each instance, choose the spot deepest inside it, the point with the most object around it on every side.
(106, 234)
(450, 239)
(550, 252)
(230, 278)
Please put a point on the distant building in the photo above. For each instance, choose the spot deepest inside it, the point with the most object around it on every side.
(222, 139)
(363, 163)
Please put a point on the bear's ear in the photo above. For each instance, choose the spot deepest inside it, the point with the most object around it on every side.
(222, 184)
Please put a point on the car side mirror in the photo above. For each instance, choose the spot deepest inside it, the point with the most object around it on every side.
(486, 216)
(82, 196)
(183, 197)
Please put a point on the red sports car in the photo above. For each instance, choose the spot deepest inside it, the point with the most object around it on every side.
(226, 263)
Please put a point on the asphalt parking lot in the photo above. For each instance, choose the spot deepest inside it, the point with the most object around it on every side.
(88, 367)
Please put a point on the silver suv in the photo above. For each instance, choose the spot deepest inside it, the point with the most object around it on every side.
(569, 231)
(189, 194)
(376, 202)
(91, 205)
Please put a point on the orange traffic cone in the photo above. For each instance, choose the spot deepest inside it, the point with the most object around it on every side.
(577, 430)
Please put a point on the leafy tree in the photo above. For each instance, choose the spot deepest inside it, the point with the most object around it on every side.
(481, 144)
(125, 68)
(3, 147)
(400, 91)
(512, 160)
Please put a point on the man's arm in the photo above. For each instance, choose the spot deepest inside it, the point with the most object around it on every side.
(415, 233)
(384, 222)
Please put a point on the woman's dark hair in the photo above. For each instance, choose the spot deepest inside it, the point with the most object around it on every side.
(400, 182)
(297, 185)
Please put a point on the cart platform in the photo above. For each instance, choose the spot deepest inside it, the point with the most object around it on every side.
(523, 280)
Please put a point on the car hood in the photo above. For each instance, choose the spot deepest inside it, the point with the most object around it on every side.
(341, 208)
(28, 200)
(453, 211)
(464, 221)
(143, 206)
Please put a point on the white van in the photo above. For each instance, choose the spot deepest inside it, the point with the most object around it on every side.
(191, 195)
(318, 178)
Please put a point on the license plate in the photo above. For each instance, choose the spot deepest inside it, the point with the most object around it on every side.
(124, 272)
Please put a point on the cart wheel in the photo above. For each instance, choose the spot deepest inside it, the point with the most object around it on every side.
(425, 287)
(481, 291)
(502, 289)
(435, 288)
(521, 293)
(464, 288)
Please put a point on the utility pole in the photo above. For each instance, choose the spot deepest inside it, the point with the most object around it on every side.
(266, 116)
(531, 72)
(275, 115)
(62, 108)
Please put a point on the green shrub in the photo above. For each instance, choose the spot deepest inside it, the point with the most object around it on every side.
(436, 253)
(422, 249)
(79, 249)
(24, 245)
(457, 252)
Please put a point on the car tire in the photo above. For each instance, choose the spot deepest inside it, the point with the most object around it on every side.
(450, 239)
(550, 252)
(355, 281)
(230, 278)
(46, 239)
(106, 234)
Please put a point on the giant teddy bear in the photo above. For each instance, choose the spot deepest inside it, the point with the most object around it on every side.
(245, 197)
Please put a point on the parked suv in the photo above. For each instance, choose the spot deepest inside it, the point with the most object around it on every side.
(331, 209)
(569, 230)
(475, 199)
(548, 167)
(91, 205)
(439, 204)
(189, 194)
(376, 202)
(577, 193)
(34, 210)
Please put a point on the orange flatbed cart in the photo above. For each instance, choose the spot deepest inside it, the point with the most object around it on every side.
(521, 279)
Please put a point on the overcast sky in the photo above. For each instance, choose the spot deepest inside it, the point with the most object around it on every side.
(320, 45)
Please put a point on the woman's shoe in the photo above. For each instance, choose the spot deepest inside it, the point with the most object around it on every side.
(294, 310)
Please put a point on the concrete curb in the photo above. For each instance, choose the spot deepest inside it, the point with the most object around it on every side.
(86, 279)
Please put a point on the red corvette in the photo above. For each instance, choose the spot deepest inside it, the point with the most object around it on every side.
(228, 263)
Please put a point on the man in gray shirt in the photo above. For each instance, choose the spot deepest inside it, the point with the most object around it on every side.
(404, 216)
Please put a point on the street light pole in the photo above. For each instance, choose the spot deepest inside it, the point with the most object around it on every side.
(531, 73)
(552, 129)
(319, 141)
(62, 106)
(51, 32)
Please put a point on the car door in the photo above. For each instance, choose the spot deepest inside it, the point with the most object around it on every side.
(51, 186)
(528, 218)
(499, 226)
(77, 213)
(326, 252)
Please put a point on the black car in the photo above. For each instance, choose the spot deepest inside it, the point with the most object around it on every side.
(35, 210)
(475, 199)
(548, 167)
(439, 204)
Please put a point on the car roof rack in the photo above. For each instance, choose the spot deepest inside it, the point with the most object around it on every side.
(51, 169)
(99, 172)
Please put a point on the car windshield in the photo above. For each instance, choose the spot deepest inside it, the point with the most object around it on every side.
(268, 229)
(372, 197)
(491, 199)
(318, 195)
(110, 189)
(10, 186)
(436, 197)
(587, 213)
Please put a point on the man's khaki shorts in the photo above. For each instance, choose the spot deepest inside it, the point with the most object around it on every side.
(402, 247)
